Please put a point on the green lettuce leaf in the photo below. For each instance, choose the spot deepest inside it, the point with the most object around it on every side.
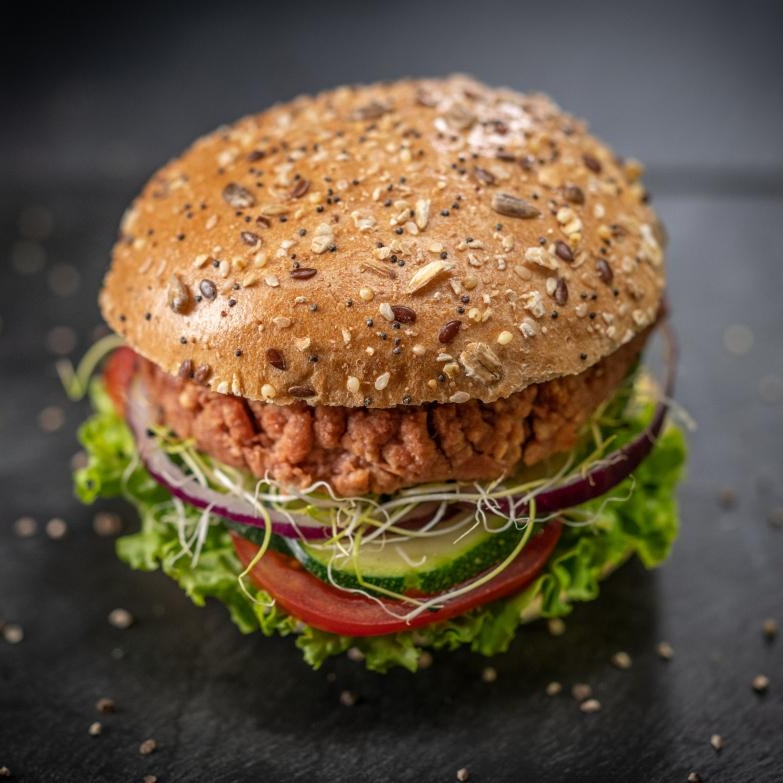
(644, 523)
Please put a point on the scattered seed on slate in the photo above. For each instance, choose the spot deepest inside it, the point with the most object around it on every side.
(760, 683)
(56, 528)
(727, 498)
(581, 691)
(13, 633)
(556, 626)
(621, 660)
(347, 698)
(120, 618)
(25, 527)
(554, 688)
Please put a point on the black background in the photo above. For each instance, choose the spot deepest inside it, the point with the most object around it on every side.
(92, 100)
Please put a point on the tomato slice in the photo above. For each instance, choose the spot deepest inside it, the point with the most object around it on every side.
(118, 372)
(326, 607)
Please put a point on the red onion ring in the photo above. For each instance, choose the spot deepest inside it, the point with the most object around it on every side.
(614, 469)
(618, 465)
(138, 413)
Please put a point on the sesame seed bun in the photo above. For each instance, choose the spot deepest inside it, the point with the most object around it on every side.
(389, 244)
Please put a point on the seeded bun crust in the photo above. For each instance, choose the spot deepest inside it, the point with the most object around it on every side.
(420, 241)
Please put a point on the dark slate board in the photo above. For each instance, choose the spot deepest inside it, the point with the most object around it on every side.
(224, 707)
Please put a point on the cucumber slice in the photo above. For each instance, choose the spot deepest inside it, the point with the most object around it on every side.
(426, 564)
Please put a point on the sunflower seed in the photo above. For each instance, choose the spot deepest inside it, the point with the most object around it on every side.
(238, 197)
(513, 206)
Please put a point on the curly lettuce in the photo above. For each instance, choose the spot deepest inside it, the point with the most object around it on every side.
(644, 524)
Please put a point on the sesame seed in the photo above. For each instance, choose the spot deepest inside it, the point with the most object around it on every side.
(590, 706)
(504, 338)
(463, 774)
(717, 742)
(664, 651)
(382, 381)
(770, 628)
(147, 747)
(95, 729)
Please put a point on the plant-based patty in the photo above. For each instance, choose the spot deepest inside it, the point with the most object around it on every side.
(361, 450)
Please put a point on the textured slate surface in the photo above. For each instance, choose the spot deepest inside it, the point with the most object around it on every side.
(229, 708)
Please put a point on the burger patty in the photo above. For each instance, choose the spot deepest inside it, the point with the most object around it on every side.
(366, 450)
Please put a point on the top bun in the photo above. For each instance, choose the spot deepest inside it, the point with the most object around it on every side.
(390, 244)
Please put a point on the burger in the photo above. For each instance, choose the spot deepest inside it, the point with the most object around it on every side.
(379, 385)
